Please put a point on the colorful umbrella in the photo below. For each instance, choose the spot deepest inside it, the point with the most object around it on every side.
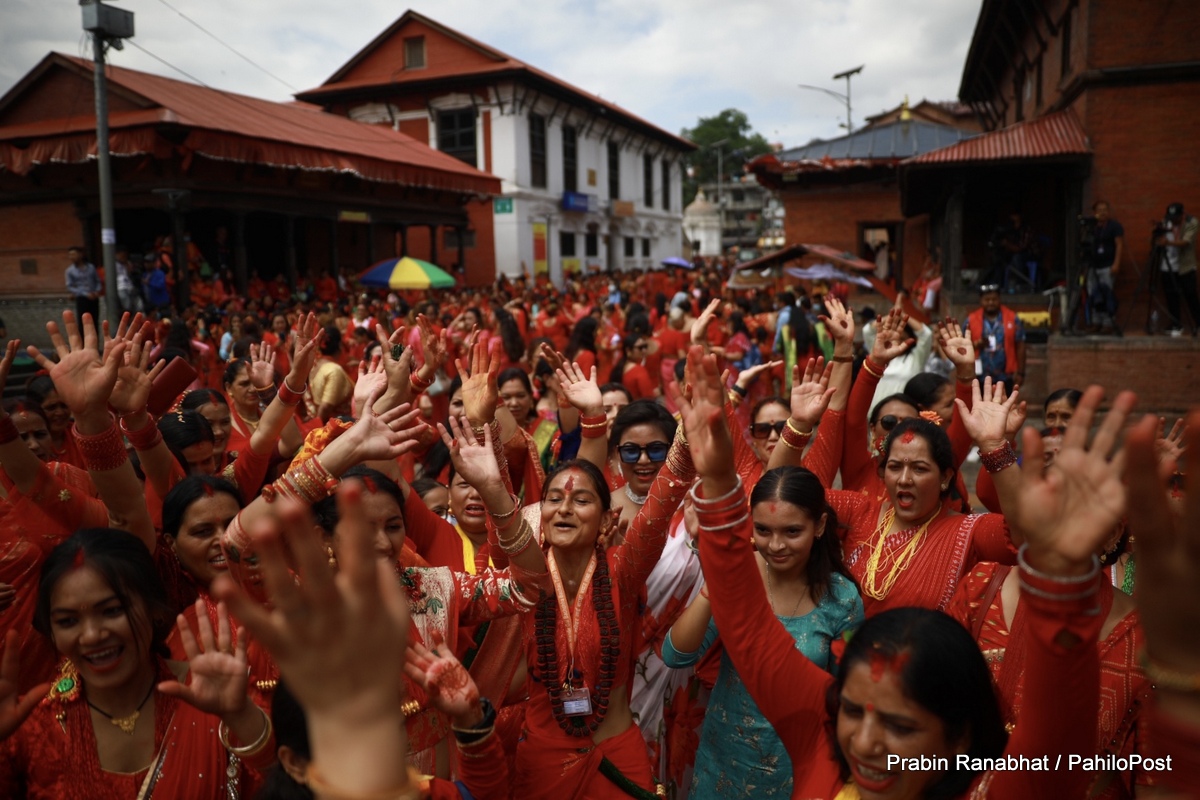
(676, 261)
(407, 273)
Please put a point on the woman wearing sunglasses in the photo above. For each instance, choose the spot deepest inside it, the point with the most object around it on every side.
(638, 444)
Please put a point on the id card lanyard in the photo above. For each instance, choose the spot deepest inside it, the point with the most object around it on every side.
(572, 615)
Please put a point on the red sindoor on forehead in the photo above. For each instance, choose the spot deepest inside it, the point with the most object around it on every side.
(908, 437)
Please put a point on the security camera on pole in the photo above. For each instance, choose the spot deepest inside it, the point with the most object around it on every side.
(108, 26)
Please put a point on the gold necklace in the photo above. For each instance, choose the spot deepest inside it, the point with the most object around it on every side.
(127, 723)
(771, 594)
(871, 585)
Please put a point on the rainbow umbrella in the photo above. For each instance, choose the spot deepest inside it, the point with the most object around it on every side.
(407, 273)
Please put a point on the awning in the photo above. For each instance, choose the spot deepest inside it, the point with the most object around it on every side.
(1052, 136)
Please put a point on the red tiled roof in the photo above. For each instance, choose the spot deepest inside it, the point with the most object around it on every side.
(1058, 134)
(229, 126)
(502, 64)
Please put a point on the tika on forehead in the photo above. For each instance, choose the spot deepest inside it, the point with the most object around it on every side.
(881, 662)
(908, 437)
(570, 482)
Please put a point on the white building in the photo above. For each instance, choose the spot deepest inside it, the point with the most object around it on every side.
(586, 184)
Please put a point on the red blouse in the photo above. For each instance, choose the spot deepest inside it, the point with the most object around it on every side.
(790, 689)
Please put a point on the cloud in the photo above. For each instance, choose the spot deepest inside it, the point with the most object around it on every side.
(669, 61)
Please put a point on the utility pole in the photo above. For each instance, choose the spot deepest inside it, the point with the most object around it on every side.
(108, 26)
(848, 74)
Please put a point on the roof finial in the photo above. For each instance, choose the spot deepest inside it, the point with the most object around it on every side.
(905, 114)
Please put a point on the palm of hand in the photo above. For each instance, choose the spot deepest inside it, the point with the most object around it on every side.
(960, 350)
(82, 380)
(367, 384)
(583, 394)
(479, 395)
(1074, 508)
(452, 690)
(131, 391)
(986, 421)
(477, 464)
(262, 374)
(808, 401)
(218, 682)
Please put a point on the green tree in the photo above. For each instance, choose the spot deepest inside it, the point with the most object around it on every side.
(740, 145)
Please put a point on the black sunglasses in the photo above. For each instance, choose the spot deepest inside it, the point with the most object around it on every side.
(632, 453)
(889, 421)
(762, 430)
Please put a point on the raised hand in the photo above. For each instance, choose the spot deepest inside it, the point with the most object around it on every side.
(6, 362)
(435, 347)
(747, 377)
(134, 381)
(473, 458)
(262, 366)
(399, 370)
(318, 629)
(306, 343)
(838, 319)
(83, 380)
(957, 346)
(480, 394)
(382, 437)
(700, 328)
(372, 380)
(810, 392)
(891, 339)
(987, 418)
(555, 359)
(583, 392)
(1168, 546)
(14, 708)
(1068, 512)
(1170, 446)
(704, 418)
(218, 671)
(444, 680)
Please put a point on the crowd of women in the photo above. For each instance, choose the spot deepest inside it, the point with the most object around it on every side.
(586, 550)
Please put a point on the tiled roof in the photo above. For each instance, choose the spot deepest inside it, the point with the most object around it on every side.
(1058, 134)
(892, 141)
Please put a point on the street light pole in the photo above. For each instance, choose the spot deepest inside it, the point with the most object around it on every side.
(848, 74)
(107, 25)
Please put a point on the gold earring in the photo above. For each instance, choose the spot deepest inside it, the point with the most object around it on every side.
(332, 557)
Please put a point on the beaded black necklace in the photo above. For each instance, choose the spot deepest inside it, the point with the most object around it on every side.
(610, 645)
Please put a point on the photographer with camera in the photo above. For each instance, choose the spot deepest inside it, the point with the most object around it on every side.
(1178, 265)
(1107, 247)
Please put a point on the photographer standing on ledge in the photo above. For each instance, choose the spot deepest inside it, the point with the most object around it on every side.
(1179, 266)
(1108, 245)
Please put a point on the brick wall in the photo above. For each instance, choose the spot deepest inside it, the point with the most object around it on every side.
(37, 233)
(831, 216)
(1164, 372)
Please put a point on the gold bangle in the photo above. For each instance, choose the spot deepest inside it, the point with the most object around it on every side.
(250, 749)
(315, 781)
(797, 431)
(500, 520)
(1167, 678)
(867, 366)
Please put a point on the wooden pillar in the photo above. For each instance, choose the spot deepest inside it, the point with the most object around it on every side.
(462, 258)
(433, 231)
(239, 251)
(183, 275)
(403, 231)
(952, 236)
(370, 243)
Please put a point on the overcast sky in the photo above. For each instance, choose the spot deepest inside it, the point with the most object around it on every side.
(670, 61)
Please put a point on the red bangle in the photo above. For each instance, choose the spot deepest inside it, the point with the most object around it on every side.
(8, 430)
(594, 427)
(103, 451)
(871, 367)
(289, 396)
(419, 385)
(795, 438)
(999, 459)
(144, 438)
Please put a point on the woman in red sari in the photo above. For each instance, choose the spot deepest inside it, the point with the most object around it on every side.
(120, 722)
(580, 737)
(42, 391)
(911, 682)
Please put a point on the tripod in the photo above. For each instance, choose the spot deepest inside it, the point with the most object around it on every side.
(1148, 284)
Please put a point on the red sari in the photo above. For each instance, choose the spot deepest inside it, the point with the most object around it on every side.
(791, 690)
(49, 758)
(550, 763)
(1124, 690)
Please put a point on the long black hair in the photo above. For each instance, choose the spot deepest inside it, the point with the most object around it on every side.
(583, 337)
(125, 564)
(942, 670)
(801, 488)
(182, 429)
(188, 491)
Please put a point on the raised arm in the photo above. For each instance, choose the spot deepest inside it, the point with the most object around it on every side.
(986, 421)
(85, 381)
(318, 630)
(583, 393)
(281, 410)
(890, 342)
(810, 398)
(787, 686)
(1065, 515)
